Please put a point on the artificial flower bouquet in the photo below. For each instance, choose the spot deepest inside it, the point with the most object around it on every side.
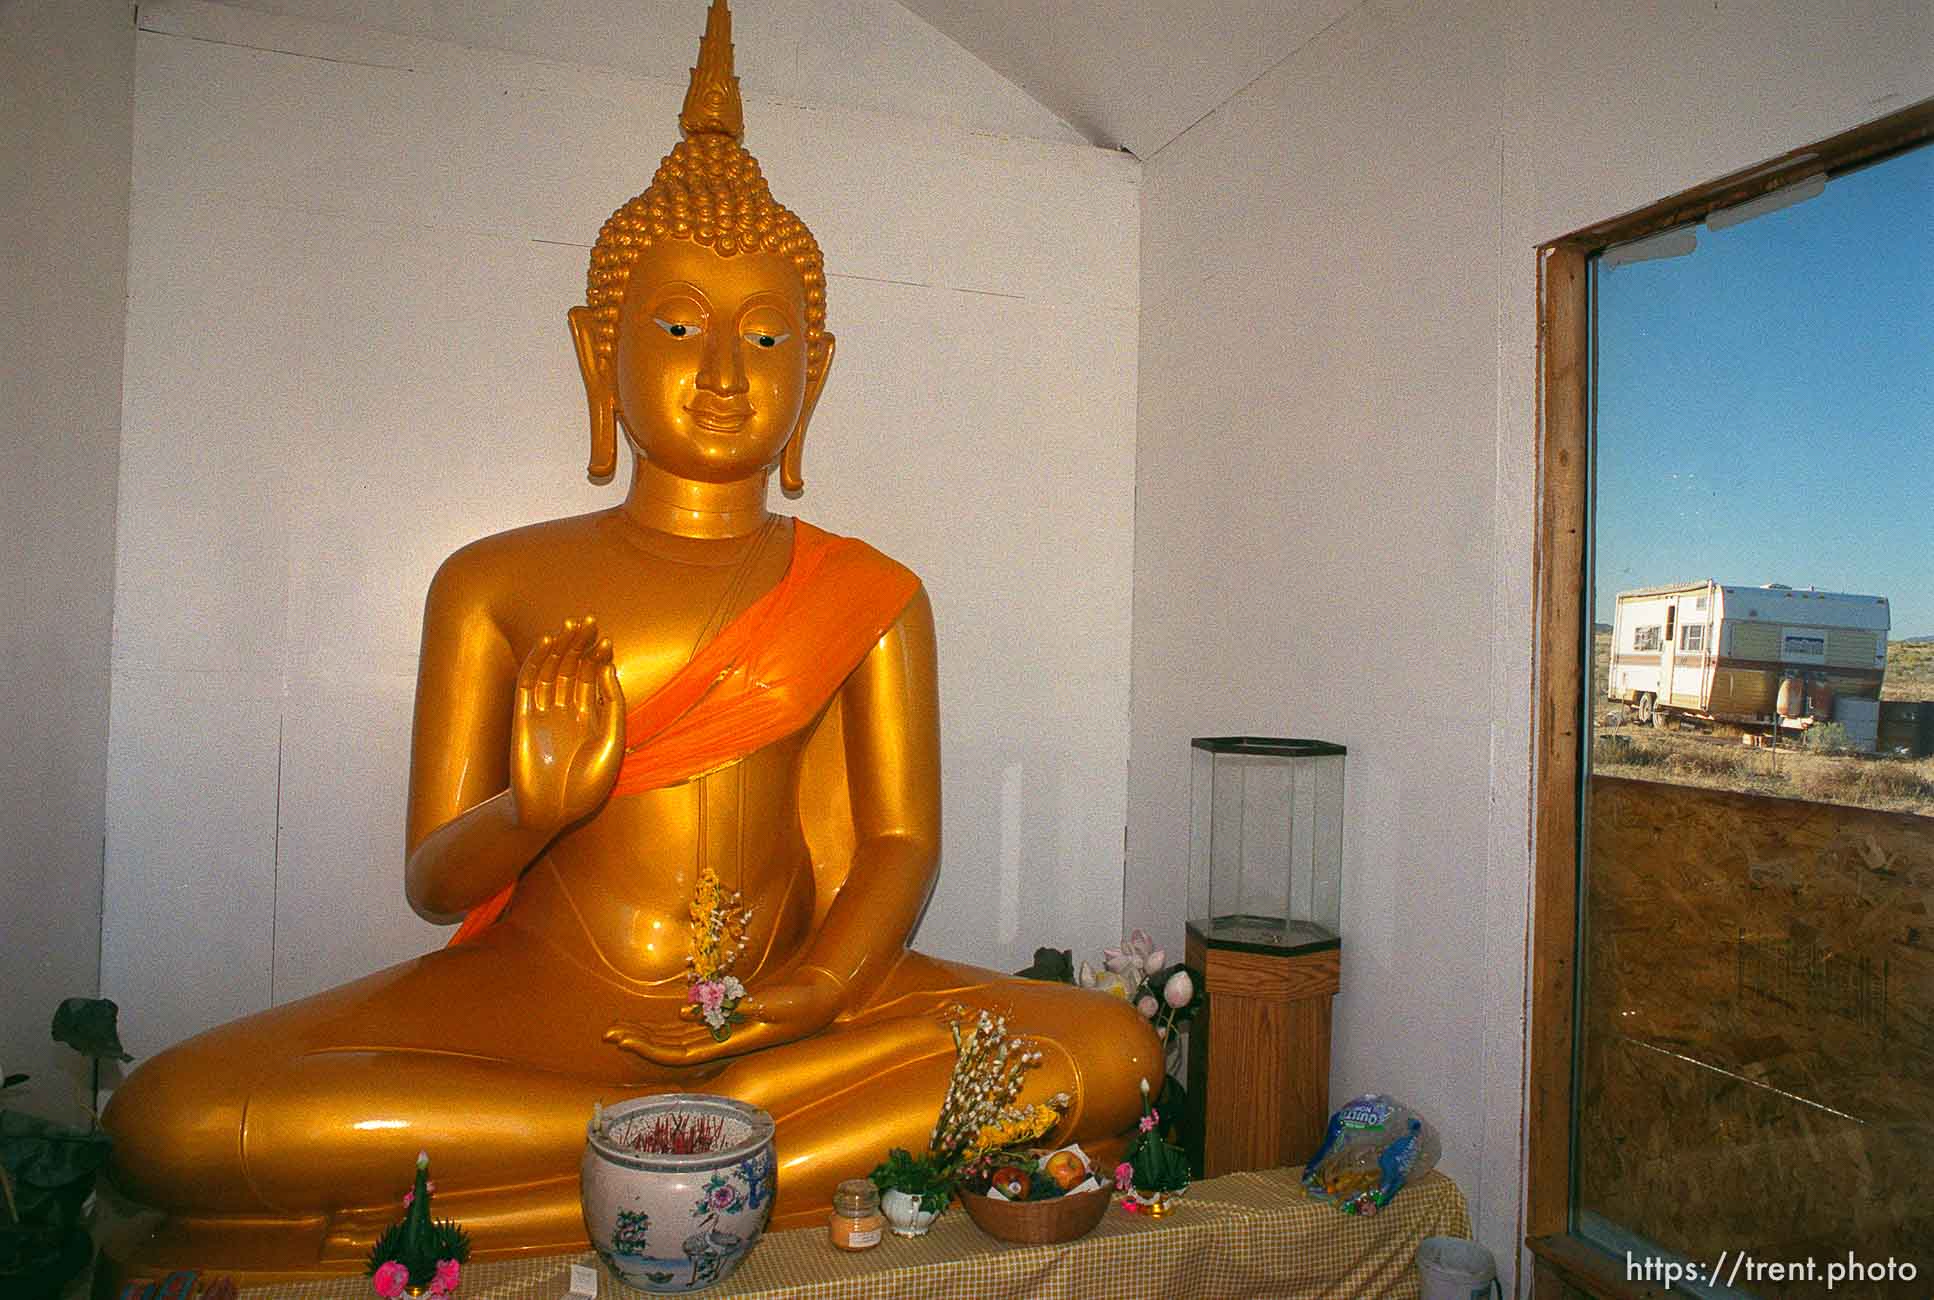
(1168, 996)
(419, 1254)
(719, 921)
(981, 1112)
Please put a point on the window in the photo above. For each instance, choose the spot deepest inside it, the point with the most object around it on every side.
(1745, 1019)
(1646, 638)
(1803, 647)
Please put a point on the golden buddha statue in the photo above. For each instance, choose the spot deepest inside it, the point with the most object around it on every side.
(616, 712)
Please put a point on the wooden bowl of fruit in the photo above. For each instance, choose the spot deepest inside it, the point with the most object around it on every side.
(1050, 1197)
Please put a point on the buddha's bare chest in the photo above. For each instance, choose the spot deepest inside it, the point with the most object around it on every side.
(625, 879)
(656, 611)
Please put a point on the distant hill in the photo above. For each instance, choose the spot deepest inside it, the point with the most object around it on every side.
(1910, 670)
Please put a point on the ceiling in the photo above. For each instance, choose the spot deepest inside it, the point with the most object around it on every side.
(1133, 73)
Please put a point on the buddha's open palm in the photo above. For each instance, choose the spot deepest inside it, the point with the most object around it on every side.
(567, 734)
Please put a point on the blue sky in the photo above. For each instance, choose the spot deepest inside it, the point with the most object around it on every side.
(1766, 404)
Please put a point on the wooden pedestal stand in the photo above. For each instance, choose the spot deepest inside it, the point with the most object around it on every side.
(1259, 1056)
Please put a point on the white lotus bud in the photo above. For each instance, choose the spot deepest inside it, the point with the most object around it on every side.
(1179, 989)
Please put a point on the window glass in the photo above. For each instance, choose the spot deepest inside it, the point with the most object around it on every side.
(1755, 1021)
(1803, 646)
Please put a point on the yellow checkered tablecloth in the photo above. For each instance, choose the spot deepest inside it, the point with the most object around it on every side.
(1241, 1235)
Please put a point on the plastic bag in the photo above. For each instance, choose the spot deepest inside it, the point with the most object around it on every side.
(1372, 1148)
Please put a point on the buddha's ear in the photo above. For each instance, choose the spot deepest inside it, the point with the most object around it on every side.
(599, 392)
(790, 477)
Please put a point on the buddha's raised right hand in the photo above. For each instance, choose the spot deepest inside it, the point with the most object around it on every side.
(567, 735)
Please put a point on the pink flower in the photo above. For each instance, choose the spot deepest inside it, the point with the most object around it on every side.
(1148, 1006)
(390, 1279)
(721, 1198)
(1147, 1122)
(1179, 989)
(409, 1197)
(448, 1271)
(1124, 1176)
(708, 994)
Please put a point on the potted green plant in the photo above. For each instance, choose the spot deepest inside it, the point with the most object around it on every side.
(47, 1169)
(913, 1190)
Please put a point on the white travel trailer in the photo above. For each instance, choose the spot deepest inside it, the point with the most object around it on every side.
(1768, 656)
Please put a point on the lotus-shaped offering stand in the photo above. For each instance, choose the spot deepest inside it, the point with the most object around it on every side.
(677, 1188)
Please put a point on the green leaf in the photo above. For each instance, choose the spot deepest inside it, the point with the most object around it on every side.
(921, 1176)
(50, 1166)
(1055, 965)
(41, 1153)
(88, 1025)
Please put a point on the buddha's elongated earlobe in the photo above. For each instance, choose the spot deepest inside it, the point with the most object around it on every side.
(790, 476)
(598, 393)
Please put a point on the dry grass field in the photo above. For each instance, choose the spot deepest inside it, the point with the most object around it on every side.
(1719, 761)
(1910, 671)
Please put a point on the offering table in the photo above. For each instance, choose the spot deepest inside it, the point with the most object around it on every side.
(1244, 1234)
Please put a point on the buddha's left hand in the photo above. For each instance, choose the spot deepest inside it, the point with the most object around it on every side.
(796, 1004)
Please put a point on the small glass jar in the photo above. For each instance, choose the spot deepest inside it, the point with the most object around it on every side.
(856, 1222)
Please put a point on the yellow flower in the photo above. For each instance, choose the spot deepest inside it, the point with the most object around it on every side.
(718, 926)
(1014, 1129)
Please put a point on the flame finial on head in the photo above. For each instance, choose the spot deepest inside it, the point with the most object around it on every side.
(712, 104)
(709, 191)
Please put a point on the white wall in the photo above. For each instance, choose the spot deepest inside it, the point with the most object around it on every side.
(65, 75)
(1335, 456)
(352, 252)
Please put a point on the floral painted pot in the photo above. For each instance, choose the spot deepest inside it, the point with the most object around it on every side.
(904, 1215)
(671, 1223)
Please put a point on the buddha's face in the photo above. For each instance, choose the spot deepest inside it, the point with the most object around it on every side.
(710, 363)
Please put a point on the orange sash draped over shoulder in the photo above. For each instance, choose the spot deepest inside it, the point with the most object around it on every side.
(768, 673)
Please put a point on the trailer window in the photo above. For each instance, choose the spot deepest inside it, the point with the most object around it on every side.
(1803, 646)
(1748, 1052)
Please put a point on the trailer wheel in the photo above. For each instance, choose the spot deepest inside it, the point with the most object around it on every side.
(1646, 711)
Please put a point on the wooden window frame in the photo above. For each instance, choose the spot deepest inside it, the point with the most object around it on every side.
(1567, 1264)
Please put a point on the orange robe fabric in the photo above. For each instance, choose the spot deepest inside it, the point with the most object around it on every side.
(764, 676)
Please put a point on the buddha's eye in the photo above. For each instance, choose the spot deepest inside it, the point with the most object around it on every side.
(678, 329)
(763, 340)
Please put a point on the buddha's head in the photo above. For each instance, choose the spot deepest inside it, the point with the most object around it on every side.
(704, 326)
